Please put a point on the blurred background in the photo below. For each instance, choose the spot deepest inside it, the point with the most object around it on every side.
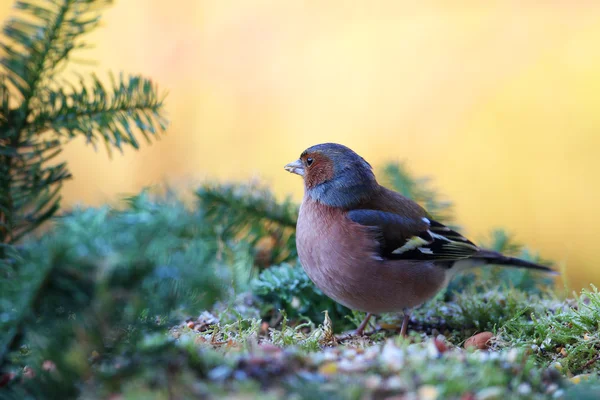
(498, 101)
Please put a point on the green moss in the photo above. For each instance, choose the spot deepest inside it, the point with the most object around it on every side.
(567, 333)
(287, 287)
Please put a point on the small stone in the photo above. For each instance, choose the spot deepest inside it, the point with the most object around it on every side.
(373, 381)
(240, 375)
(535, 348)
(295, 303)
(563, 352)
(264, 327)
(479, 341)
(440, 345)
(206, 318)
(432, 350)
(580, 378)
(394, 383)
(416, 349)
(512, 354)
(329, 368)
(199, 340)
(28, 372)
(372, 352)
(524, 389)
(352, 366)
(257, 361)
(48, 365)
(557, 366)
(391, 356)
(349, 353)
(551, 388)
(219, 373)
(552, 374)
(490, 393)
(428, 392)
(546, 343)
(269, 348)
(191, 324)
(330, 355)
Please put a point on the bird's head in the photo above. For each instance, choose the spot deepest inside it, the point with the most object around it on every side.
(334, 175)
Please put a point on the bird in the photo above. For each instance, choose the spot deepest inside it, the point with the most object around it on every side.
(370, 248)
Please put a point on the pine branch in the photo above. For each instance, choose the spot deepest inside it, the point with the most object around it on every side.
(115, 270)
(34, 46)
(251, 212)
(45, 115)
(501, 241)
(398, 178)
(112, 114)
(28, 299)
(42, 38)
(32, 186)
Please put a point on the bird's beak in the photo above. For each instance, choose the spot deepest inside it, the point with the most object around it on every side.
(295, 167)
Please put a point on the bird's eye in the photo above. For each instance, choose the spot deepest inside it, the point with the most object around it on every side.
(309, 161)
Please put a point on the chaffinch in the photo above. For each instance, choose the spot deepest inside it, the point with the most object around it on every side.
(370, 248)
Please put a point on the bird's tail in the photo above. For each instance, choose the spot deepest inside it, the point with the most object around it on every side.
(495, 258)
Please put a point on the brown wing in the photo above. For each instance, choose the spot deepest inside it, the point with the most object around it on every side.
(405, 230)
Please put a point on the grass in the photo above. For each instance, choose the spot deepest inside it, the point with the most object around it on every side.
(543, 347)
(566, 334)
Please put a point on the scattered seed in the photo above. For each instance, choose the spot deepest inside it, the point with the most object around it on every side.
(479, 341)
(329, 368)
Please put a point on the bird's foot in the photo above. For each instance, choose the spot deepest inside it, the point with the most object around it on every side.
(405, 320)
(361, 328)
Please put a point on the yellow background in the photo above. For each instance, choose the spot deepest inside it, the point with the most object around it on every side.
(499, 101)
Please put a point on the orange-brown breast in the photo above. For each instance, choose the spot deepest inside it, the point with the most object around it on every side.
(341, 258)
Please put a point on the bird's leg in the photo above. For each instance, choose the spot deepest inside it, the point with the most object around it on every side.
(363, 325)
(404, 328)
